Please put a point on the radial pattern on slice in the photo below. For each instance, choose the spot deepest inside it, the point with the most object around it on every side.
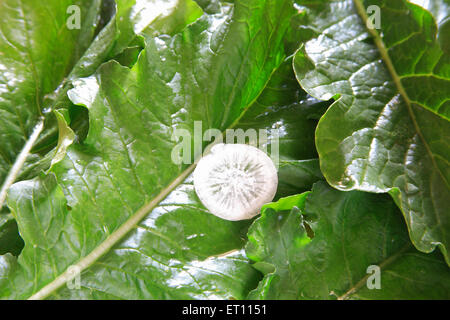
(235, 180)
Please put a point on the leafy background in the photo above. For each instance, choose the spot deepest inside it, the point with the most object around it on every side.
(364, 152)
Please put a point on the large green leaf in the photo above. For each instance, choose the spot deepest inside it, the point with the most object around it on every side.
(387, 132)
(151, 17)
(285, 107)
(37, 51)
(179, 251)
(350, 231)
(440, 9)
(40, 56)
(212, 72)
(165, 18)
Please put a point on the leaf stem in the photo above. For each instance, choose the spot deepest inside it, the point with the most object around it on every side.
(112, 239)
(132, 222)
(21, 158)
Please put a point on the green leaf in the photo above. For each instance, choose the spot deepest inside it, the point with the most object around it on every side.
(212, 72)
(35, 35)
(380, 136)
(284, 106)
(181, 14)
(135, 18)
(441, 12)
(440, 9)
(297, 176)
(37, 51)
(8, 263)
(131, 20)
(10, 240)
(179, 251)
(350, 231)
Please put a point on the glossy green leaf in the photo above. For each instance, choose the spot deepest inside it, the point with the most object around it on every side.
(35, 35)
(131, 19)
(441, 13)
(440, 9)
(52, 82)
(285, 107)
(135, 18)
(179, 251)
(10, 240)
(387, 132)
(328, 247)
(37, 51)
(8, 264)
(297, 176)
(212, 72)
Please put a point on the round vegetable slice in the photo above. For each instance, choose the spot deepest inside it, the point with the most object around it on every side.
(234, 181)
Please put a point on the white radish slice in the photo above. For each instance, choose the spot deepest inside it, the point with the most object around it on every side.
(234, 181)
